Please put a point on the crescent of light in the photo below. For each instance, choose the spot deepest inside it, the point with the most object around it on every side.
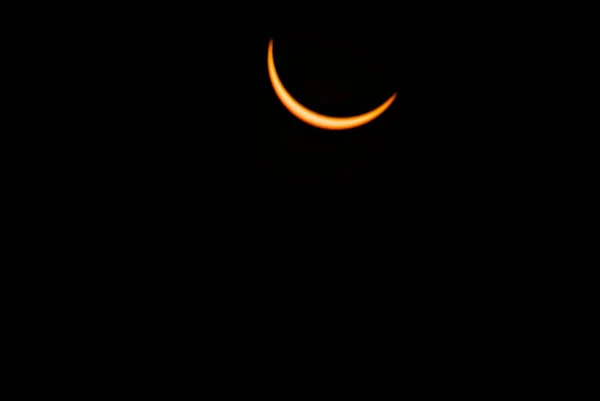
(313, 118)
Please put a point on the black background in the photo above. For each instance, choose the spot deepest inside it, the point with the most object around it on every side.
(176, 136)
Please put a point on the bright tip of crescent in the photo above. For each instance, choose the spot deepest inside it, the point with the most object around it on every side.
(314, 118)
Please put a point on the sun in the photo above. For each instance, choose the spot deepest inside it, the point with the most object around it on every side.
(313, 118)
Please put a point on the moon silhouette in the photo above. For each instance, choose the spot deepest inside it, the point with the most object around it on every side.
(313, 118)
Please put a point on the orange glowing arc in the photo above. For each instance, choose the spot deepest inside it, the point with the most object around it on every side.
(313, 118)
